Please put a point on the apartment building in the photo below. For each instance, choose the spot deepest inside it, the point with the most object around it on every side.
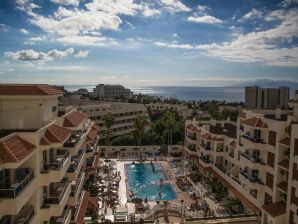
(255, 158)
(266, 98)
(111, 92)
(43, 165)
(181, 109)
(124, 113)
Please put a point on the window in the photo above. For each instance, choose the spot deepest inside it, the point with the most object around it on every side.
(54, 109)
(272, 138)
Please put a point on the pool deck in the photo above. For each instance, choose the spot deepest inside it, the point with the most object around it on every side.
(171, 180)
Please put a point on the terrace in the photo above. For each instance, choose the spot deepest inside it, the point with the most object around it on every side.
(11, 189)
(56, 162)
(56, 192)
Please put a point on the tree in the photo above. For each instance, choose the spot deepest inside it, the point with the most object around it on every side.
(170, 124)
(109, 120)
(140, 123)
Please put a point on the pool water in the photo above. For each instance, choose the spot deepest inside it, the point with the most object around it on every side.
(143, 181)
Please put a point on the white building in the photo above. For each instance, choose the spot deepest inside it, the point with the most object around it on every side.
(181, 109)
(111, 92)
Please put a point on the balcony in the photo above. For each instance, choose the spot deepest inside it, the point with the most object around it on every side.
(253, 143)
(12, 190)
(91, 164)
(283, 186)
(76, 165)
(26, 215)
(205, 162)
(253, 162)
(205, 146)
(191, 149)
(56, 193)
(76, 186)
(77, 207)
(65, 217)
(55, 170)
(231, 155)
(90, 150)
(251, 178)
(75, 141)
(221, 168)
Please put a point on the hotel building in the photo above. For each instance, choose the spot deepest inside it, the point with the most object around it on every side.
(266, 98)
(44, 158)
(255, 158)
(181, 109)
(124, 113)
(111, 92)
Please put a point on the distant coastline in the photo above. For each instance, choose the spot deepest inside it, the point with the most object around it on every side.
(188, 93)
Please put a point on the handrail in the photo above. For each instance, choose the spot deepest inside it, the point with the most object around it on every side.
(254, 140)
(56, 199)
(25, 215)
(56, 165)
(14, 191)
(251, 158)
(205, 146)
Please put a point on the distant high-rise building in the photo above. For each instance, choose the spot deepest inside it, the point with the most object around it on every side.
(103, 91)
(266, 98)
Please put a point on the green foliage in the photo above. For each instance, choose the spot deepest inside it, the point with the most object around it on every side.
(140, 124)
(196, 177)
(109, 120)
(235, 206)
(127, 139)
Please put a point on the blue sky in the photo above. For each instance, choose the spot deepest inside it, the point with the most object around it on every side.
(157, 42)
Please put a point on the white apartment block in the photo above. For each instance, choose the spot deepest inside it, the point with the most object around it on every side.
(110, 92)
(255, 158)
(46, 159)
(181, 109)
(124, 114)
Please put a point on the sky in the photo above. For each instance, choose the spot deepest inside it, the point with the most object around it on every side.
(148, 43)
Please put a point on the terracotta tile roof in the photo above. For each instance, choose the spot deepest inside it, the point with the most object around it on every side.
(55, 134)
(275, 209)
(283, 186)
(293, 101)
(92, 134)
(192, 127)
(284, 163)
(94, 165)
(255, 122)
(206, 136)
(74, 119)
(236, 193)
(286, 141)
(242, 115)
(15, 149)
(216, 139)
(232, 144)
(84, 205)
(28, 89)
(93, 202)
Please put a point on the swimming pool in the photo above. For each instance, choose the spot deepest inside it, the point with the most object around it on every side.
(143, 181)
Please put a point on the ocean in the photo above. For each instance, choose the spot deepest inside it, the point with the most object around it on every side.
(229, 94)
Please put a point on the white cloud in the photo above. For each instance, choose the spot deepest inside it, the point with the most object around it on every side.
(174, 45)
(202, 8)
(3, 27)
(175, 35)
(174, 6)
(67, 2)
(87, 40)
(204, 19)
(31, 55)
(286, 3)
(266, 46)
(252, 15)
(24, 31)
(33, 40)
(81, 54)
(148, 11)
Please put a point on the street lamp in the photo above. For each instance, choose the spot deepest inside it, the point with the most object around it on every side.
(182, 201)
(157, 210)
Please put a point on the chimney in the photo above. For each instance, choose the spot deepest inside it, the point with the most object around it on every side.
(277, 113)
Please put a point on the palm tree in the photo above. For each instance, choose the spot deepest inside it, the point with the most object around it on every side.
(170, 123)
(139, 125)
(109, 120)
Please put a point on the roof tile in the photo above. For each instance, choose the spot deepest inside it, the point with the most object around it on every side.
(74, 119)
(28, 89)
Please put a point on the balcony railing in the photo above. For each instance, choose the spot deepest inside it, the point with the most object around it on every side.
(90, 161)
(252, 159)
(56, 195)
(62, 155)
(254, 140)
(251, 178)
(74, 188)
(90, 149)
(25, 215)
(231, 155)
(74, 139)
(75, 160)
(192, 137)
(205, 160)
(15, 189)
(191, 148)
(205, 146)
(61, 219)
(221, 168)
(76, 209)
